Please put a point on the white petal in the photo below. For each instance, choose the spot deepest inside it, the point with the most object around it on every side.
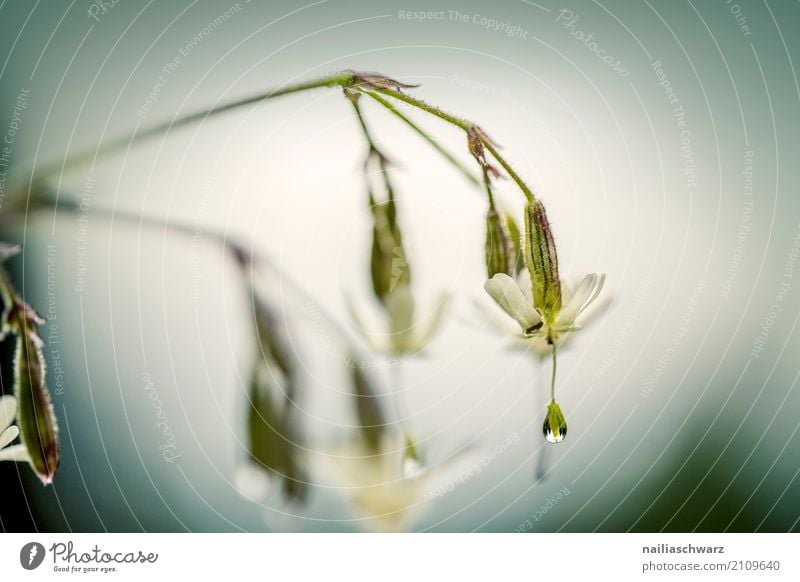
(8, 435)
(598, 287)
(16, 453)
(8, 410)
(570, 311)
(510, 297)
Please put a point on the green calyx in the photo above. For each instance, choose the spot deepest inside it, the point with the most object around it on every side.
(542, 261)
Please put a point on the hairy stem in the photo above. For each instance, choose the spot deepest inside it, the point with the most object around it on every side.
(424, 135)
(465, 126)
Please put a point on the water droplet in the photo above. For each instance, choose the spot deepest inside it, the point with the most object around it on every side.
(555, 426)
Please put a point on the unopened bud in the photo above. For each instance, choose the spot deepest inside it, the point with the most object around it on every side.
(500, 254)
(35, 415)
(542, 261)
(389, 264)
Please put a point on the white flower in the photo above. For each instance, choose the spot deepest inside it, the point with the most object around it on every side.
(536, 331)
(9, 431)
(405, 335)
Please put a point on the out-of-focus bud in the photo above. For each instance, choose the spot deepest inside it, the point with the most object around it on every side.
(389, 263)
(516, 240)
(35, 415)
(274, 441)
(500, 254)
(542, 261)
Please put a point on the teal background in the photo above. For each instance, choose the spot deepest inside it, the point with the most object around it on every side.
(676, 424)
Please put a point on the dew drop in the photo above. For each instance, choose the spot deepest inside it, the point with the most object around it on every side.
(555, 426)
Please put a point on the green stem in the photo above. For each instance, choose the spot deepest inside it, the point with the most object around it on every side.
(109, 147)
(507, 167)
(488, 184)
(400, 409)
(422, 133)
(553, 378)
(464, 125)
(433, 110)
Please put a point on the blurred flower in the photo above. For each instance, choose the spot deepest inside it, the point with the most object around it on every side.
(378, 485)
(8, 431)
(404, 336)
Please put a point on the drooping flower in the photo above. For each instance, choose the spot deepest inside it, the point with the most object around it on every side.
(542, 312)
(543, 315)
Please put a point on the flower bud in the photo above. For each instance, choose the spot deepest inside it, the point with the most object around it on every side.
(500, 254)
(542, 261)
(388, 265)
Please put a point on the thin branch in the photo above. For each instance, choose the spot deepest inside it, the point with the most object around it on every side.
(112, 146)
(465, 126)
(422, 133)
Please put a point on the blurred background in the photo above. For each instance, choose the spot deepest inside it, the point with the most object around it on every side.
(662, 136)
